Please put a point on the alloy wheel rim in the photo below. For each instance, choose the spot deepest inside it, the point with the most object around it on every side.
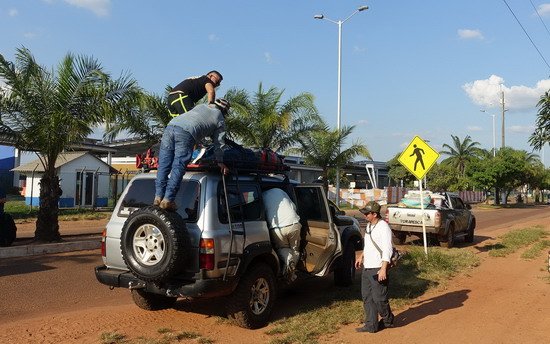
(148, 244)
(259, 298)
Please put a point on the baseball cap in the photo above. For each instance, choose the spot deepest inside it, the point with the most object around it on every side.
(371, 207)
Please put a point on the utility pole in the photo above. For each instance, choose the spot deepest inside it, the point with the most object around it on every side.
(503, 111)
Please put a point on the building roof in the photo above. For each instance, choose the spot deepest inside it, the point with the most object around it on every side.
(64, 158)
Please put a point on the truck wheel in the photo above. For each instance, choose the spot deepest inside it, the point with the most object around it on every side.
(152, 302)
(399, 238)
(449, 240)
(470, 235)
(251, 303)
(344, 270)
(8, 230)
(154, 244)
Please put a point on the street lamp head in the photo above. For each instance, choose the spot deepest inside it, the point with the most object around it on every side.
(318, 16)
(362, 8)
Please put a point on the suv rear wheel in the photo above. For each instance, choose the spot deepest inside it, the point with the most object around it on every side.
(154, 244)
(449, 240)
(470, 234)
(152, 302)
(251, 303)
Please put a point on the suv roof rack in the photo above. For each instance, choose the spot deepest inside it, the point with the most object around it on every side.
(241, 166)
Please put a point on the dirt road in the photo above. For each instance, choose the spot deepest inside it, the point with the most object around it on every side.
(56, 299)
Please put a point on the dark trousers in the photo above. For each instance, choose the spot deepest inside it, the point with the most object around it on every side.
(375, 299)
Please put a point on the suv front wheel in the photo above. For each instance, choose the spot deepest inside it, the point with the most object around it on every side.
(251, 303)
(344, 271)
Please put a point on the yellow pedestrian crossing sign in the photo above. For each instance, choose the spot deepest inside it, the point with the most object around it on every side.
(418, 157)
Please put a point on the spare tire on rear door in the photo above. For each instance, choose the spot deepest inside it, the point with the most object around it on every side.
(154, 244)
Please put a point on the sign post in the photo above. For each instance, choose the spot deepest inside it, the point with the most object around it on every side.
(419, 158)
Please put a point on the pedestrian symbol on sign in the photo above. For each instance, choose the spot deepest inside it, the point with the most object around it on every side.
(418, 154)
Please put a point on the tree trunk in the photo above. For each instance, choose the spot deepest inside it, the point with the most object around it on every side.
(47, 225)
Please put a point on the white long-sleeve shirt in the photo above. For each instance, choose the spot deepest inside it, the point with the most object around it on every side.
(381, 234)
(280, 211)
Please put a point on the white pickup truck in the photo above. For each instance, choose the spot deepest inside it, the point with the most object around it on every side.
(446, 218)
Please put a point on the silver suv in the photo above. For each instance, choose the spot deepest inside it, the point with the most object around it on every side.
(217, 243)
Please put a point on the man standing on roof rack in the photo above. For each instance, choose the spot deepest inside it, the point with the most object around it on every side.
(176, 147)
(183, 97)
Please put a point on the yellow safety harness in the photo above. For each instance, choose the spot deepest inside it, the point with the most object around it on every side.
(179, 99)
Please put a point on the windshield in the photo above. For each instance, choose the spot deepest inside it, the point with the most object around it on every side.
(141, 193)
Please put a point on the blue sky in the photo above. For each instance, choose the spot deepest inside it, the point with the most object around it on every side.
(408, 68)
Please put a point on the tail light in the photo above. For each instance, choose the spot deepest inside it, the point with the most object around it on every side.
(387, 217)
(103, 248)
(206, 254)
(437, 219)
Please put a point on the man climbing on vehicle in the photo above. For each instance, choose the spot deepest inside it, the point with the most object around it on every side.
(176, 147)
(183, 97)
(284, 228)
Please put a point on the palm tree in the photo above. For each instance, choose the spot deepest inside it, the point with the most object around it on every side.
(541, 136)
(146, 120)
(263, 121)
(460, 153)
(321, 148)
(48, 112)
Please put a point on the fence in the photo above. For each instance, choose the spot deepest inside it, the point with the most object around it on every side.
(79, 189)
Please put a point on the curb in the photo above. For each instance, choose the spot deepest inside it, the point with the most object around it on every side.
(34, 250)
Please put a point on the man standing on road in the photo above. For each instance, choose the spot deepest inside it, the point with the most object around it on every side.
(183, 97)
(176, 147)
(284, 228)
(375, 260)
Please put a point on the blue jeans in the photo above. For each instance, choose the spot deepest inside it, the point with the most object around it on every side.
(176, 150)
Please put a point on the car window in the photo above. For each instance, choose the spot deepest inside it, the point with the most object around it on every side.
(458, 204)
(311, 205)
(244, 203)
(141, 193)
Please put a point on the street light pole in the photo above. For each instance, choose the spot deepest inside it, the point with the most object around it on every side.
(339, 104)
(494, 133)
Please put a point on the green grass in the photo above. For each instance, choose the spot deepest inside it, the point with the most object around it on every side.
(415, 274)
(514, 240)
(536, 249)
(167, 336)
(20, 211)
(112, 338)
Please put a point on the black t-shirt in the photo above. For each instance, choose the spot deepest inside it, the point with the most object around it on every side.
(194, 87)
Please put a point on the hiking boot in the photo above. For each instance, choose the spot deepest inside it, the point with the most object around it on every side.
(168, 205)
(157, 200)
(364, 329)
(382, 325)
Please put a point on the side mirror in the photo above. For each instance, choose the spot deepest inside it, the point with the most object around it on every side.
(468, 206)
(340, 212)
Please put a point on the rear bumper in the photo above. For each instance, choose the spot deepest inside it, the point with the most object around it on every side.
(199, 288)
(414, 229)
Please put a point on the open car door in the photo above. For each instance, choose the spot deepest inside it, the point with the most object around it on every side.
(320, 238)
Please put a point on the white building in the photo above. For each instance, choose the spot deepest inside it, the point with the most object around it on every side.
(84, 180)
